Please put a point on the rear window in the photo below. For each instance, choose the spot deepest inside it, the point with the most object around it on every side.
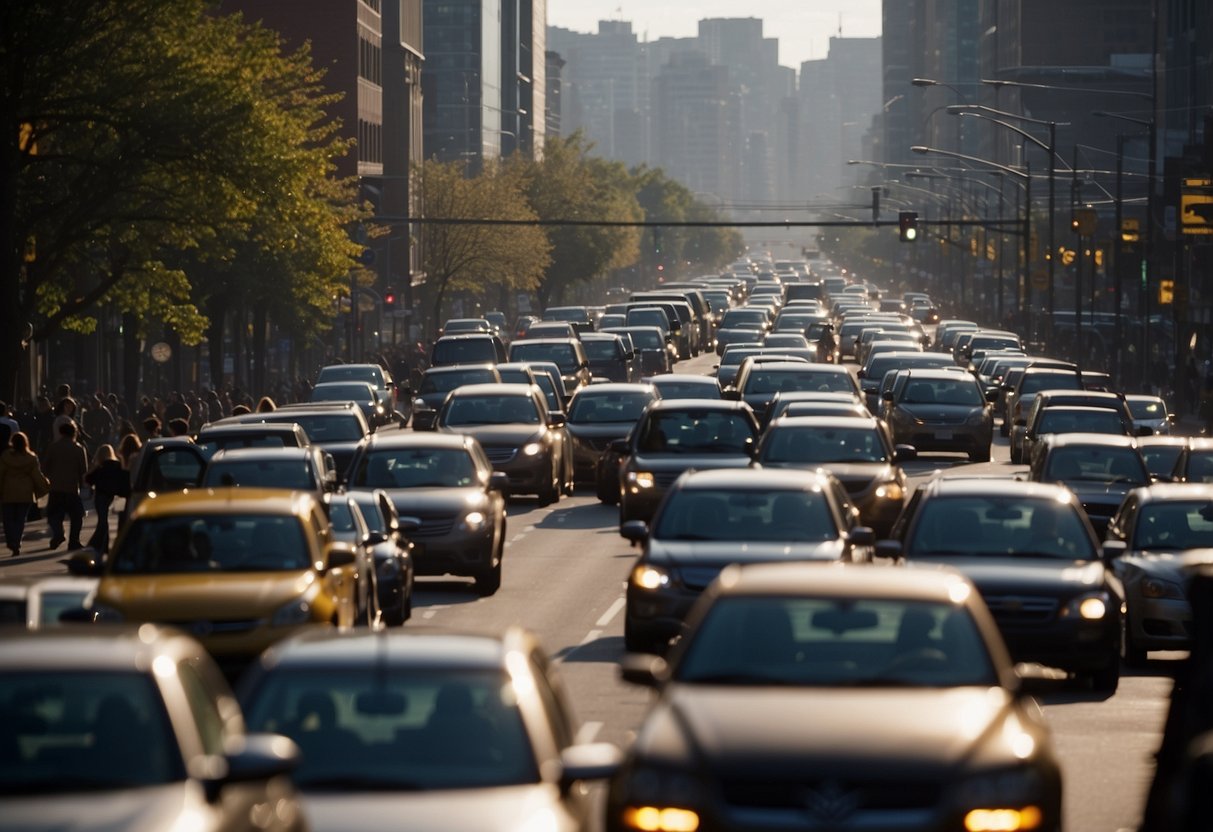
(1035, 382)
(338, 372)
(446, 382)
(464, 351)
(563, 356)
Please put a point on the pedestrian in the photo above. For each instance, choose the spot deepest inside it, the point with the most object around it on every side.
(44, 425)
(178, 427)
(22, 483)
(151, 428)
(266, 405)
(177, 408)
(241, 410)
(65, 464)
(8, 426)
(109, 481)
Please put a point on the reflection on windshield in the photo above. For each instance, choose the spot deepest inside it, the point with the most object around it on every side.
(595, 408)
(942, 392)
(697, 432)
(490, 410)
(823, 642)
(286, 473)
(446, 382)
(213, 543)
(1174, 525)
(818, 445)
(397, 731)
(414, 468)
(999, 526)
(777, 516)
(1106, 465)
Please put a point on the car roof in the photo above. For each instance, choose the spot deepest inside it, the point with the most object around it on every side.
(225, 427)
(418, 439)
(1141, 397)
(661, 405)
(493, 389)
(546, 340)
(789, 366)
(226, 500)
(682, 378)
(755, 479)
(243, 454)
(943, 486)
(458, 368)
(93, 648)
(1177, 491)
(1059, 440)
(1162, 439)
(1200, 443)
(464, 336)
(857, 422)
(616, 387)
(599, 336)
(937, 373)
(844, 580)
(416, 647)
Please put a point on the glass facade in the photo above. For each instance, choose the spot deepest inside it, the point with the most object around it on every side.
(462, 80)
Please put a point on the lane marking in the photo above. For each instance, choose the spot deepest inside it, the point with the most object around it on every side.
(588, 731)
(517, 537)
(428, 614)
(612, 611)
(592, 635)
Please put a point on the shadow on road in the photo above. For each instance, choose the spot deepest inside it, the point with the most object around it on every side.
(442, 592)
(603, 650)
(581, 518)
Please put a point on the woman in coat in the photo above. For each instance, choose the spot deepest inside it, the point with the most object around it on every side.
(109, 480)
(21, 484)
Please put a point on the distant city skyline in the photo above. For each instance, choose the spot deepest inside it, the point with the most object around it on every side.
(803, 27)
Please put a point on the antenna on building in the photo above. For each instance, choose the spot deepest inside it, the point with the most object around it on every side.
(840, 24)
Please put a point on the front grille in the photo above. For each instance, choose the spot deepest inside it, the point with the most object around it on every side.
(698, 577)
(831, 799)
(1021, 608)
(665, 479)
(499, 456)
(434, 526)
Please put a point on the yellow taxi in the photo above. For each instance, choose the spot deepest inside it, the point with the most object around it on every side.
(237, 568)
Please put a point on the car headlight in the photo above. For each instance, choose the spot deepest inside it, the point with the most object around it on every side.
(650, 793)
(296, 611)
(1093, 607)
(474, 521)
(531, 448)
(647, 576)
(978, 417)
(641, 479)
(1007, 797)
(1158, 588)
(890, 491)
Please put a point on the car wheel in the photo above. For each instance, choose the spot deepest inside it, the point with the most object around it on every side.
(1107, 679)
(489, 581)
(635, 641)
(549, 492)
(980, 456)
(1004, 429)
(396, 617)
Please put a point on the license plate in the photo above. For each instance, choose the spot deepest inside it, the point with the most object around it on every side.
(943, 434)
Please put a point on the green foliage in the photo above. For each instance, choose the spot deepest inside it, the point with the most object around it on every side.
(663, 198)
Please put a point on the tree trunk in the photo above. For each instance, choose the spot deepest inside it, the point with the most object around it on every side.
(260, 313)
(12, 327)
(216, 312)
(130, 360)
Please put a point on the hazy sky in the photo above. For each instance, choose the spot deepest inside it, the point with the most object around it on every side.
(804, 27)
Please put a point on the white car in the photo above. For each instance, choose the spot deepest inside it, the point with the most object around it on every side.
(36, 602)
(1150, 412)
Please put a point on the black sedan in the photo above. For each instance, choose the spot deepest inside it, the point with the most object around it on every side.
(711, 519)
(599, 414)
(392, 552)
(428, 731)
(446, 482)
(837, 697)
(1099, 469)
(1034, 558)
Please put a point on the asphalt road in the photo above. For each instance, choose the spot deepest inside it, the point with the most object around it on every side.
(564, 574)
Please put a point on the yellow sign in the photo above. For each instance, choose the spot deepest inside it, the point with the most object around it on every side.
(1130, 230)
(1166, 291)
(1196, 206)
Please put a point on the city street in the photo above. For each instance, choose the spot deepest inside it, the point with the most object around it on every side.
(564, 577)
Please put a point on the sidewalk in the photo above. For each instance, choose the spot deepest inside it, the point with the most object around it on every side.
(37, 557)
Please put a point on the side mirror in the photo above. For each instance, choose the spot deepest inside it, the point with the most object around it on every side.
(637, 531)
(862, 536)
(887, 396)
(499, 481)
(339, 555)
(861, 374)
(556, 419)
(905, 453)
(375, 538)
(256, 757)
(731, 393)
(890, 549)
(618, 446)
(588, 761)
(84, 565)
(644, 669)
(1113, 549)
(408, 525)
(991, 396)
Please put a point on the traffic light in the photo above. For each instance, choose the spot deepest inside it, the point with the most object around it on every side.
(389, 300)
(907, 224)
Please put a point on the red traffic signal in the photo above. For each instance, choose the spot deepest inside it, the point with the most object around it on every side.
(389, 299)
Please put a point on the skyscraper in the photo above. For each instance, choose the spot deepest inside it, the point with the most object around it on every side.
(462, 80)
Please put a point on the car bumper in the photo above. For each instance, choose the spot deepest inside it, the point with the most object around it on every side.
(1159, 623)
(460, 552)
(527, 474)
(639, 503)
(657, 616)
(956, 438)
(1076, 646)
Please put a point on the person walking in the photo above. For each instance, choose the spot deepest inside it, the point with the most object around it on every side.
(21, 485)
(109, 480)
(65, 464)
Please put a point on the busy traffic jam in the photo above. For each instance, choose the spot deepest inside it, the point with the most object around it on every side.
(771, 549)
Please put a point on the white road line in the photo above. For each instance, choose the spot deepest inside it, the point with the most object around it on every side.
(592, 635)
(428, 614)
(517, 537)
(588, 731)
(612, 611)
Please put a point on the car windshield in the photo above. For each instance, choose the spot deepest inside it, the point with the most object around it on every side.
(1200, 467)
(746, 515)
(371, 375)
(211, 444)
(83, 731)
(414, 468)
(1096, 464)
(1147, 409)
(999, 526)
(697, 432)
(687, 389)
(1174, 524)
(787, 381)
(464, 351)
(1160, 459)
(342, 393)
(601, 349)
(741, 317)
(1035, 382)
(645, 339)
(490, 410)
(826, 642)
(326, 427)
(817, 444)
(261, 473)
(341, 516)
(963, 391)
(1054, 420)
(212, 543)
(408, 730)
(448, 381)
(599, 408)
(562, 355)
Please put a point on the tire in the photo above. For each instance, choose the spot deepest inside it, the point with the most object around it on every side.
(549, 492)
(634, 642)
(1107, 680)
(397, 616)
(980, 456)
(489, 581)
(1132, 655)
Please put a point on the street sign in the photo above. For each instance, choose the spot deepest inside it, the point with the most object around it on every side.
(1130, 230)
(1166, 292)
(1196, 206)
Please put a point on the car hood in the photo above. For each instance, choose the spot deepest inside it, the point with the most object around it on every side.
(1037, 576)
(600, 430)
(433, 501)
(682, 462)
(936, 411)
(191, 595)
(515, 435)
(171, 807)
(719, 554)
(755, 732)
(845, 472)
(501, 809)
(1088, 491)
